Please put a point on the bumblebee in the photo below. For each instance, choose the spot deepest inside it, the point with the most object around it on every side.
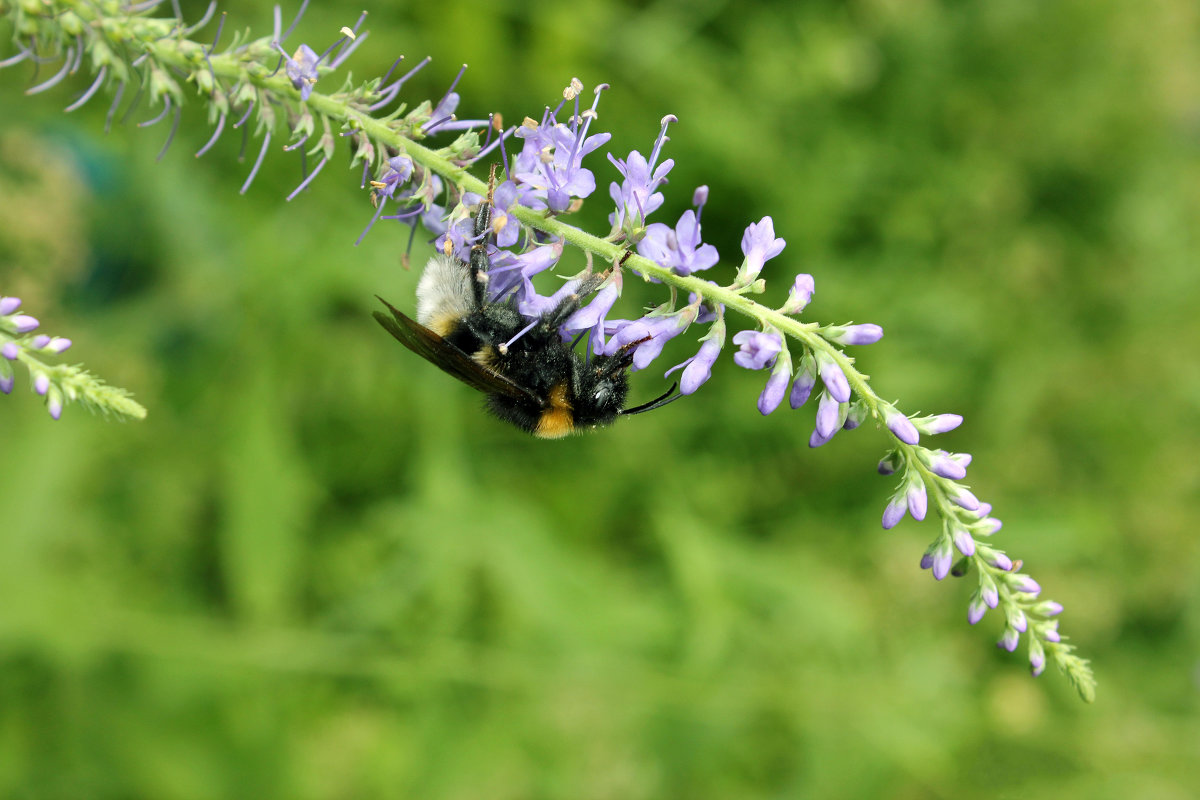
(532, 378)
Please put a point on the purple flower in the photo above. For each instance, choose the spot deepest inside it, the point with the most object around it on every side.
(1026, 584)
(301, 69)
(772, 393)
(6, 378)
(638, 197)
(854, 334)
(698, 369)
(806, 379)
(940, 463)
(1017, 620)
(900, 425)
(998, 560)
(23, 323)
(894, 512)
(551, 160)
(1048, 608)
(1037, 659)
(964, 541)
(800, 295)
(1051, 633)
(41, 384)
(940, 558)
(976, 609)
(759, 245)
(399, 170)
(507, 229)
(989, 592)
(962, 497)
(10, 350)
(679, 249)
(758, 349)
(828, 416)
(940, 423)
(660, 330)
(512, 273)
(592, 316)
(1009, 640)
(833, 378)
(918, 500)
(8, 305)
(54, 403)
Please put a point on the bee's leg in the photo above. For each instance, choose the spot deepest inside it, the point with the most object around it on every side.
(480, 264)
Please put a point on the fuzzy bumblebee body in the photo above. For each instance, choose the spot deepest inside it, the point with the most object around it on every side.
(532, 378)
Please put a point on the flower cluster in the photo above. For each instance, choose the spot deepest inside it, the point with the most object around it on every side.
(58, 383)
(542, 182)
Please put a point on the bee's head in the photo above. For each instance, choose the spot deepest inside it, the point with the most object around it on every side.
(602, 390)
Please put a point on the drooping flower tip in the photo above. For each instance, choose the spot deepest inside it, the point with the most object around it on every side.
(54, 404)
(964, 541)
(900, 426)
(1009, 640)
(927, 560)
(990, 595)
(757, 349)
(828, 416)
(943, 560)
(8, 305)
(1037, 663)
(698, 369)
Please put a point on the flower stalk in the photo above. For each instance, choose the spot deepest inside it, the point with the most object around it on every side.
(256, 81)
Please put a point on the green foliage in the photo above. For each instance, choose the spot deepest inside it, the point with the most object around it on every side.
(318, 570)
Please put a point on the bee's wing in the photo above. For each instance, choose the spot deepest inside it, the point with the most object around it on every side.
(436, 350)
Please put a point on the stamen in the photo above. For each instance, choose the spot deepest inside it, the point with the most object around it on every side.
(391, 69)
(91, 90)
(287, 148)
(452, 85)
(217, 38)
(216, 135)
(113, 108)
(341, 57)
(137, 98)
(278, 23)
(662, 139)
(245, 116)
(429, 126)
(308, 180)
(62, 73)
(504, 153)
(366, 172)
(295, 22)
(499, 142)
(212, 7)
(166, 108)
(330, 49)
(17, 59)
(140, 7)
(171, 135)
(258, 163)
(504, 347)
(178, 11)
(371, 224)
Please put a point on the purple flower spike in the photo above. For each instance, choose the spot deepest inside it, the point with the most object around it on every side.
(24, 323)
(8, 305)
(759, 245)
(301, 69)
(975, 610)
(900, 426)
(800, 295)
(834, 379)
(828, 412)
(1009, 640)
(918, 501)
(894, 512)
(854, 334)
(41, 384)
(10, 350)
(758, 349)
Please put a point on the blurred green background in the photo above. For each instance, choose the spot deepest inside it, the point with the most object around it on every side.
(317, 570)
